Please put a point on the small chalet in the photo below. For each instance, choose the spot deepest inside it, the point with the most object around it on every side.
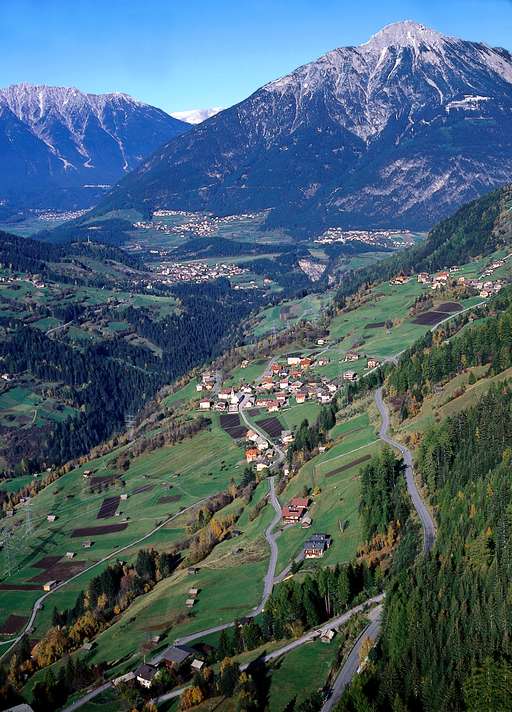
(316, 545)
(300, 397)
(175, 656)
(293, 360)
(373, 363)
(251, 454)
(251, 435)
(350, 376)
(205, 404)
(145, 675)
(351, 356)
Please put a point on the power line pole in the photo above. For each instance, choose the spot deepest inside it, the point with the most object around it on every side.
(11, 564)
(129, 422)
(29, 528)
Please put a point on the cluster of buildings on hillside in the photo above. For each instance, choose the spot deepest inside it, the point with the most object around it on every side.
(375, 238)
(273, 390)
(33, 279)
(197, 272)
(483, 285)
(297, 512)
(198, 225)
(176, 658)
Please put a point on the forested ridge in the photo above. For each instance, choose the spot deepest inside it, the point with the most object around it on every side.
(446, 642)
(109, 379)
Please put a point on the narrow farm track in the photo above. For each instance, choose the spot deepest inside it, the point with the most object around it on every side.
(292, 645)
(37, 605)
(268, 581)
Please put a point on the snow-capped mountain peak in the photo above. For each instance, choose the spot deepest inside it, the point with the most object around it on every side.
(404, 34)
(397, 131)
(65, 138)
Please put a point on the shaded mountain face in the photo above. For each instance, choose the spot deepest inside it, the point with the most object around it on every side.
(397, 132)
(54, 141)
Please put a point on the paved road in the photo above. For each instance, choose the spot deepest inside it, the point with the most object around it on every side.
(307, 637)
(268, 582)
(37, 605)
(351, 664)
(429, 528)
(88, 697)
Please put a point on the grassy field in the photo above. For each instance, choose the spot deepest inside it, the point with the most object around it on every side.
(335, 478)
(190, 470)
(310, 664)
(284, 315)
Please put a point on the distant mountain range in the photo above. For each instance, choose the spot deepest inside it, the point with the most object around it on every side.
(196, 116)
(59, 147)
(397, 132)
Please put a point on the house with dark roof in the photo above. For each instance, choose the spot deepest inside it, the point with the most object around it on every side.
(175, 656)
(145, 674)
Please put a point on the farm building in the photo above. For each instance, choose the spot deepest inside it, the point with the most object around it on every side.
(51, 517)
(190, 602)
(350, 376)
(373, 363)
(197, 665)
(327, 635)
(251, 454)
(49, 585)
(205, 404)
(175, 656)
(295, 510)
(316, 545)
(351, 356)
(145, 674)
(87, 544)
(293, 360)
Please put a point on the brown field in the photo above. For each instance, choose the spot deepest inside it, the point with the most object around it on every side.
(108, 507)
(449, 307)
(19, 587)
(101, 480)
(46, 562)
(168, 498)
(375, 325)
(12, 624)
(143, 488)
(99, 530)
(429, 318)
(61, 571)
(231, 424)
(271, 426)
(339, 470)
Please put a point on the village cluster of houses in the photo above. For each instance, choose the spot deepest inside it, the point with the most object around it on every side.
(197, 272)
(273, 391)
(197, 225)
(483, 285)
(33, 279)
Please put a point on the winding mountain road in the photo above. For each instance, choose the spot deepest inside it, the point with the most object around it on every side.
(427, 523)
(268, 581)
(351, 664)
(372, 630)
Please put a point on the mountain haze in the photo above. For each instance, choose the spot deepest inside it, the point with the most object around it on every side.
(397, 132)
(56, 140)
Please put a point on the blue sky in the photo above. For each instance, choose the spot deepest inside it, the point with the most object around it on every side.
(192, 54)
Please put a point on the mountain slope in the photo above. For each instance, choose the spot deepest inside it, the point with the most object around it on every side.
(55, 140)
(396, 132)
(477, 229)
